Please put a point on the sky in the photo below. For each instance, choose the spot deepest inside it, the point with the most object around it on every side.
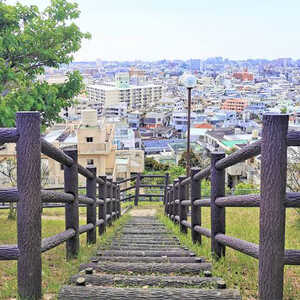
(182, 29)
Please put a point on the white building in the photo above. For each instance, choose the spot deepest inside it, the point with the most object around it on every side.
(134, 96)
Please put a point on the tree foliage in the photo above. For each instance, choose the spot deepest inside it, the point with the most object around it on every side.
(153, 165)
(30, 41)
(244, 188)
(197, 160)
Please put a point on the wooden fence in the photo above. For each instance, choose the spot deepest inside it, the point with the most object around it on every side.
(272, 202)
(29, 198)
(137, 184)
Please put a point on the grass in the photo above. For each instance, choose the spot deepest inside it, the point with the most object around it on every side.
(143, 204)
(56, 270)
(237, 269)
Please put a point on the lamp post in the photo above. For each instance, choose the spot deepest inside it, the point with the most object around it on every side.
(190, 82)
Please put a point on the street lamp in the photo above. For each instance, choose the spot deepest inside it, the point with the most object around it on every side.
(189, 82)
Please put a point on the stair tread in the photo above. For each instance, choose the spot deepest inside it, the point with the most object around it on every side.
(76, 292)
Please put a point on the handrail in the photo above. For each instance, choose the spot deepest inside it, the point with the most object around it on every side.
(29, 148)
(272, 202)
(8, 135)
(55, 153)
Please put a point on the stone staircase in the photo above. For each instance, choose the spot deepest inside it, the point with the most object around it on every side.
(146, 262)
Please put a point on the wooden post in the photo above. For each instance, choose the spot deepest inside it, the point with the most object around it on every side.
(71, 209)
(114, 201)
(182, 209)
(102, 207)
(29, 205)
(118, 202)
(167, 201)
(109, 195)
(272, 210)
(137, 189)
(195, 210)
(217, 213)
(166, 187)
(175, 197)
(170, 200)
(91, 208)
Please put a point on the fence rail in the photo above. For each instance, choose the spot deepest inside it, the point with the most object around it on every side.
(272, 202)
(101, 193)
(29, 199)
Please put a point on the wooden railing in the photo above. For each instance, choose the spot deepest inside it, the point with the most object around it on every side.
(29, 198)
(272, 202)
(137, 183)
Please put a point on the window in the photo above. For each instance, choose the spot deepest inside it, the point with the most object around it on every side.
(89, 139)
(61, 166)
(90, 162)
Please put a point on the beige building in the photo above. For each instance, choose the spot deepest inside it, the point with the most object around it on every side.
(94, 141)
(135, 96)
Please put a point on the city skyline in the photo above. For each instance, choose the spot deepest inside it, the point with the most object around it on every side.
(153, 30)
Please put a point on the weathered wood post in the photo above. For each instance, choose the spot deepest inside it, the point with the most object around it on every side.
(182, 208)
(137, 189)
(217, 213)
(91, 208)
(109, 206)
(173, 210)
(272, 210)
(170, 200)
(102, 207)
(118, 202)
(29, 205)
(71, 209)
(195, 210)
(166, 187)
(115, 201)
(167, 200)
(176, 197)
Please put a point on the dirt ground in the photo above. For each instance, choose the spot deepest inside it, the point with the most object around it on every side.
(142, 212)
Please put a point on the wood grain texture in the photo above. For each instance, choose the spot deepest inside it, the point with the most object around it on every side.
(91, 217)
(272, 210)
(245, 247)
(181, 208)
(86, 228)
(143, 253)
(8, 135)
(29, 205)
(72, 292)
(9, 252)
(54, 241)
(140, 281)
(146, 259)
(71, 209)
(217, 214)
(238, 201)
(195, 210)
(56, 154)
(143, 268)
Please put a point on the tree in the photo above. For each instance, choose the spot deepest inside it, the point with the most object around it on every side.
(153, 165)
(8, 170)
(30, 41)
(197, 160)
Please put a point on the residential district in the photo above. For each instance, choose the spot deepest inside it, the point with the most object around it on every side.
(132, 110)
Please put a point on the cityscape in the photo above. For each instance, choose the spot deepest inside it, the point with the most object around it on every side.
(133, 110)
(149, 149)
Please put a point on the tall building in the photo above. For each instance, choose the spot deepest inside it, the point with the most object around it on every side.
(195, 65)
(134, 96)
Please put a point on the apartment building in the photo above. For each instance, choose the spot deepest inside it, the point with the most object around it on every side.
(134, 96)
(235, 104)
(94, 140)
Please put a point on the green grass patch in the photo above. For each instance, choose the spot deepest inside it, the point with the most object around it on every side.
(237, 269)
(56, 269)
